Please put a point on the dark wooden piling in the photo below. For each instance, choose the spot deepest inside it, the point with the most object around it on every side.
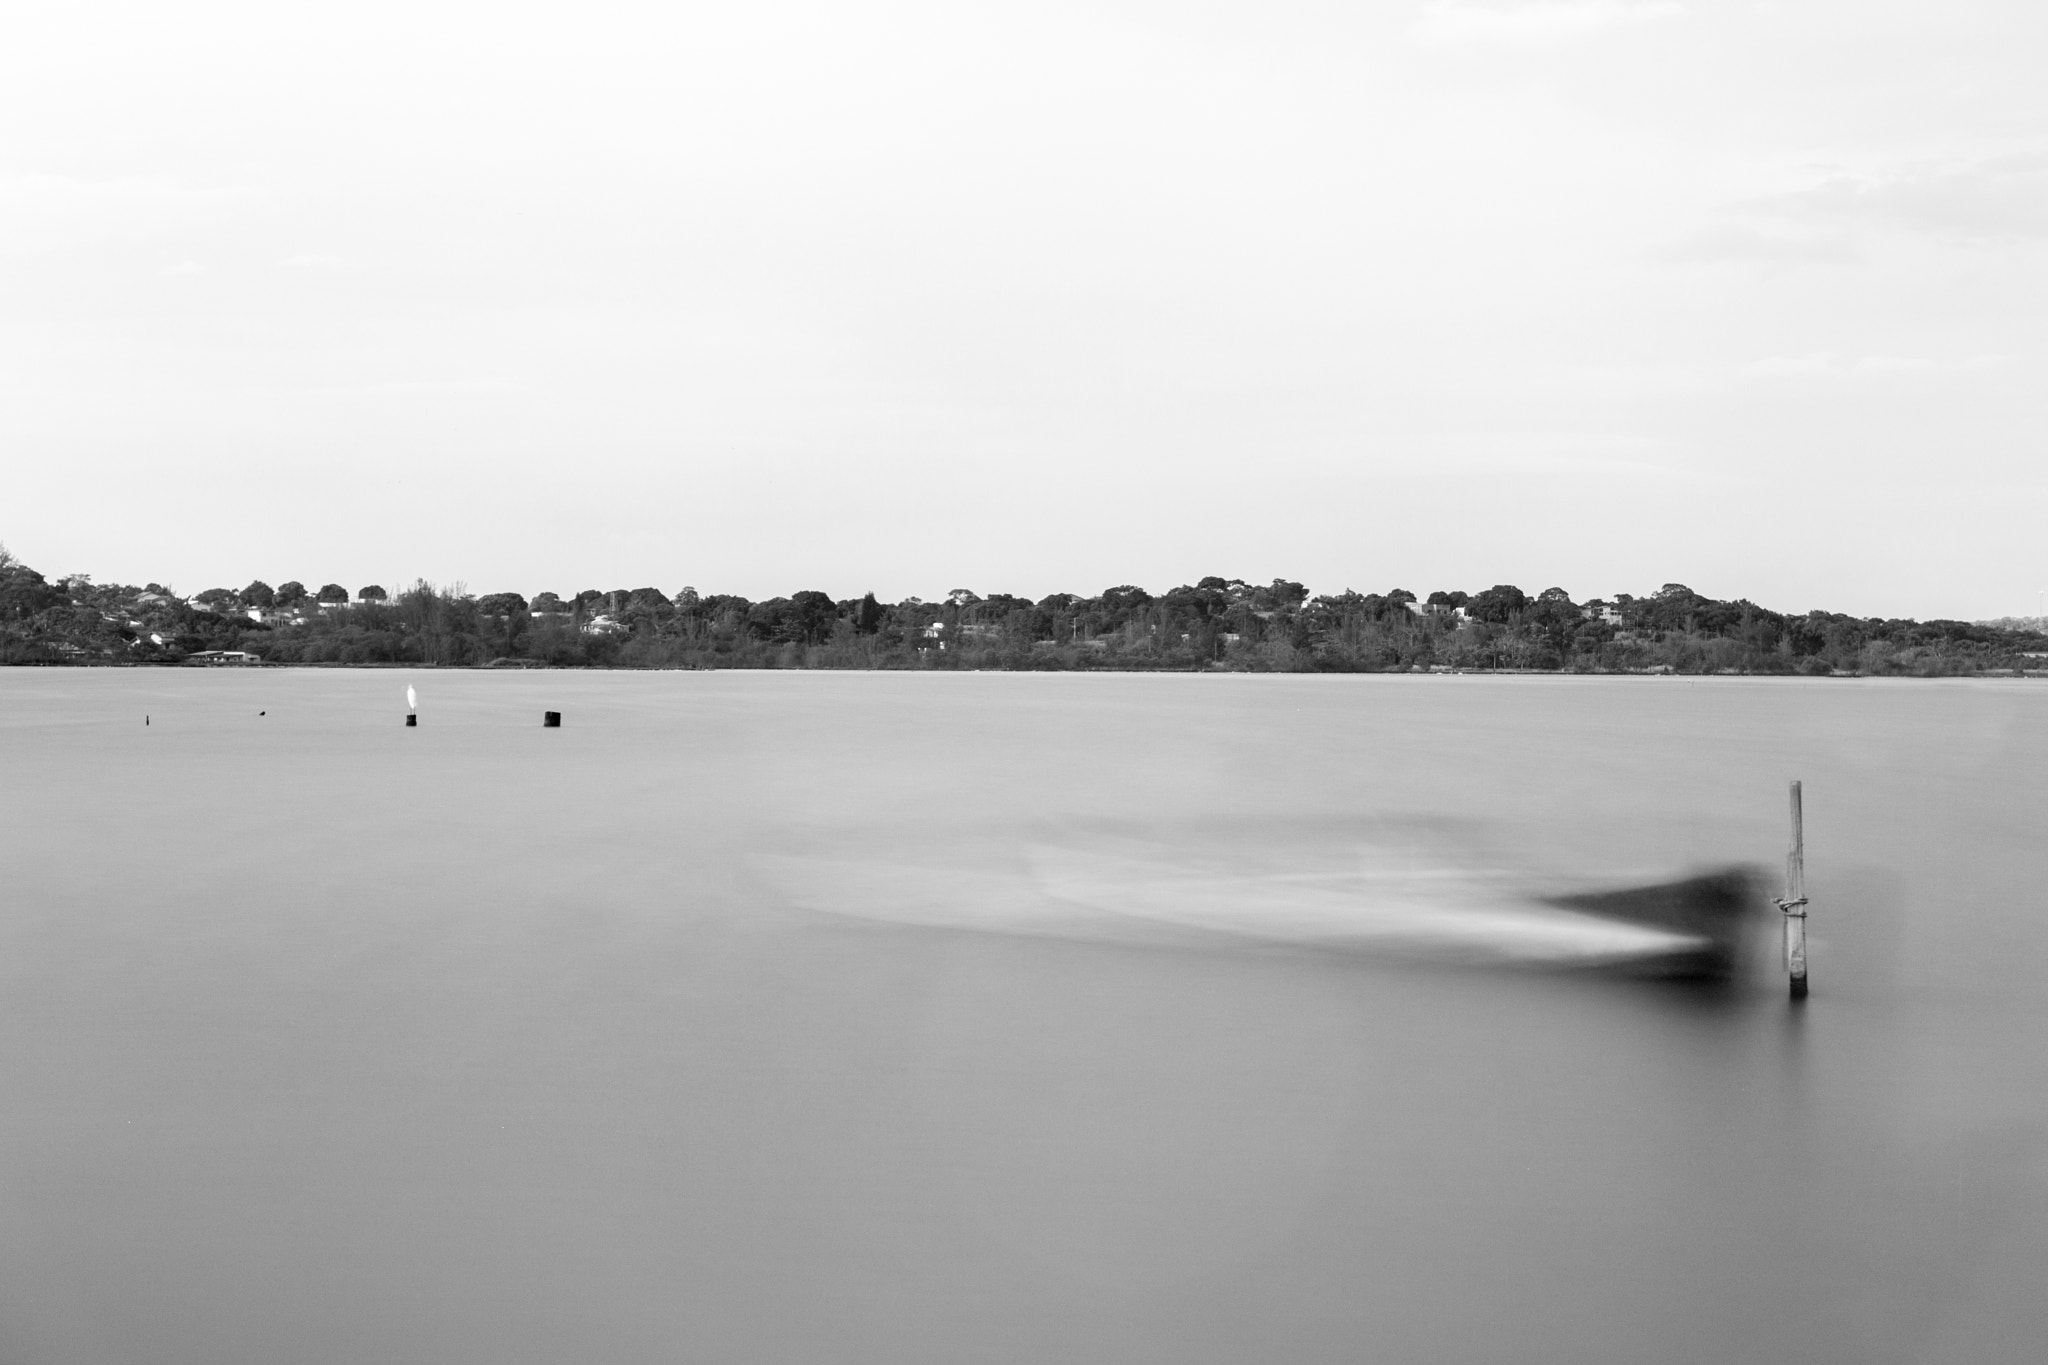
(1793, 903)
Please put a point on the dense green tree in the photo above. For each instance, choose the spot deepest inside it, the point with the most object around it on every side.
(1498, 605)
(1205, 601)
(1281, 595)
(23, 591)
(646, 606)
(811, 614)
(502, 604)
(259, 594)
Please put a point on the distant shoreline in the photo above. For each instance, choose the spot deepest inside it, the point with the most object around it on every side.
(1994, 674)
(1215, 625)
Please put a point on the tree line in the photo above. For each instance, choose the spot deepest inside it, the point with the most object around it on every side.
(1213, 624)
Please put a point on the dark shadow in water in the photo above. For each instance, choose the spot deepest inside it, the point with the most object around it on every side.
(1725, 909)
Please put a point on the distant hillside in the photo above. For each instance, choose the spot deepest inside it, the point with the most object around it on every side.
(1215, 624)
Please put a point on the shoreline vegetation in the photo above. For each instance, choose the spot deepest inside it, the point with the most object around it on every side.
(1216, 624)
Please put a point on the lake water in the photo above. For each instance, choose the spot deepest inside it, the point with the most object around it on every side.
(757, 1017)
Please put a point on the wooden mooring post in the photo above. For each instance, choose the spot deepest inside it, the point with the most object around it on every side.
(1793, 902)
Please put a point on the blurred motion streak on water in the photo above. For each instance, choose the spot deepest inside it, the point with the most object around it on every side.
(1390, 904)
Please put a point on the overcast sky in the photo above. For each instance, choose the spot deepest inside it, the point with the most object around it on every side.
(906, 297)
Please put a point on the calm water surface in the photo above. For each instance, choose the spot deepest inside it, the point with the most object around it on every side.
(325, 1040)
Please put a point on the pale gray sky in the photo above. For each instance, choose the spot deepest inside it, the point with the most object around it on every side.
(1032, 297)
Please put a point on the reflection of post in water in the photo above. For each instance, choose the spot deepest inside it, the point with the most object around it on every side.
(1793, 902)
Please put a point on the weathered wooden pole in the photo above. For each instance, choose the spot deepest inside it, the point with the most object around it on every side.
(1793, 903)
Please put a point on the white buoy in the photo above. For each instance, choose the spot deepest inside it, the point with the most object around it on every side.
(412, 706)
